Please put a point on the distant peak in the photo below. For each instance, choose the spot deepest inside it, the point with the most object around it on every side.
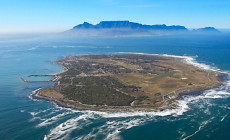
(85, 25)
(207, 29)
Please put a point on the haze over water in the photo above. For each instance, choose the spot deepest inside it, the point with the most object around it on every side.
(200, 116)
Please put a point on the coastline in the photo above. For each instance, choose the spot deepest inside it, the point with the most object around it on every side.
(170, 105)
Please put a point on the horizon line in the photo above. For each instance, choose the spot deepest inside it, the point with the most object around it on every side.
(61, 29)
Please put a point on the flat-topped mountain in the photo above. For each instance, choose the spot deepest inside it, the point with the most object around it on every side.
(127, 24)
(127, 28)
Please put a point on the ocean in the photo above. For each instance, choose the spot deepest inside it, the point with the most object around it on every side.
(204, 115)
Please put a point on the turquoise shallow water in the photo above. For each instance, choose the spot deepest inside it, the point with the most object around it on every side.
(204, 116)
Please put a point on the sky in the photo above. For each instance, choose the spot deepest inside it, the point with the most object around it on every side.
(60, 15)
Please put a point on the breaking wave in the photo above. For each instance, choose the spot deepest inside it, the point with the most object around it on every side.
(116, 122)
(30, 96)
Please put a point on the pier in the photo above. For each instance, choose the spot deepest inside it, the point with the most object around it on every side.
(41, 75)
(38, 75)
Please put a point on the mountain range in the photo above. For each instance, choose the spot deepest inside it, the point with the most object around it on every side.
(126, 24)
(127, 28)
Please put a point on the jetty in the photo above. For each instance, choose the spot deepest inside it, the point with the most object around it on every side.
(41, 75)
(38, 75)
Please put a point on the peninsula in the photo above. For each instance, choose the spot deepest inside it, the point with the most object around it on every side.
(121, 82)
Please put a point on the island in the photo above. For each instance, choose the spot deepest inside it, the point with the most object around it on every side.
(126, 82)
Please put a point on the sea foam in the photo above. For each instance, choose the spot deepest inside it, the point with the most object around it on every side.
(30, 96)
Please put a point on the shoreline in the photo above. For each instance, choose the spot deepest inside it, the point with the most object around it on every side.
(91, 107)
(171, 104)
(126, 109)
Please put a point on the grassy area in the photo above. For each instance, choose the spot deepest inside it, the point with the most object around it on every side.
(71, 72)
(162, 76)
(97, 91)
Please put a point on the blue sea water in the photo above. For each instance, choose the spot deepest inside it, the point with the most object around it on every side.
(204, 116)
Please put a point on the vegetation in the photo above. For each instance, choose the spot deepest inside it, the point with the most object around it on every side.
(71, 72)
(97, 91)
